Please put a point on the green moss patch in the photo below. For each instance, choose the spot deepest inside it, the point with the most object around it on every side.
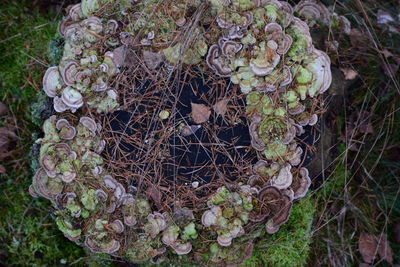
(291, 245)
(28, 235)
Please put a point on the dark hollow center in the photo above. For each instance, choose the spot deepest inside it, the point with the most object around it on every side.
(152, 151)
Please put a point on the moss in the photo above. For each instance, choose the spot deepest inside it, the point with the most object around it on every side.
(24, 43)
(291, 245)
(34, 154)
(28, 234)
(27, 230)
(56, 49)
(38, 107)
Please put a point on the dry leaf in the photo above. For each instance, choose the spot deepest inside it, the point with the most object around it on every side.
(221, 106)
(152, 60)
(368, 247)
(384, 17)
(364, 123)
(4, 143)
(183, 214)
(6, 139)
(390, 69)
(2, 169)
(358, 39)
(349, 74)
(384, 249)
(8, 133)
(332, 45)
(387, 53)
(119, 55)
(155, 194)
(3, 109)
(397, 233)
(187, 130)
(6, 136)
(200, 113)
(371, 245)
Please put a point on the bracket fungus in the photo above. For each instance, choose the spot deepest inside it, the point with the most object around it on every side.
(229, 212)
(67, 131)
(170, 237)
(262, 49)
(156, 223)
(314, 13)
(271, 205)
(52, 81)
(82, 73)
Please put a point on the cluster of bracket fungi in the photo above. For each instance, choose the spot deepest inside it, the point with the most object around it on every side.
(259, 45)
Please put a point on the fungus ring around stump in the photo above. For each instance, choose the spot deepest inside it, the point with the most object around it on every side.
(179, 125)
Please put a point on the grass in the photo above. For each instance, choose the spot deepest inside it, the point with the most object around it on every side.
(28, 236)
(361, 193)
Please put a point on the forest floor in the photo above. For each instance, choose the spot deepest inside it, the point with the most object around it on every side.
(357, 218)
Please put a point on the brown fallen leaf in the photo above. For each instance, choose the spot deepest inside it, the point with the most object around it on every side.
(372, 245)
(152, 60)
(3, 109)
(390, 69)
(181, 215)
(2, 169)
(187, 130)
(384, 17)
(10, 134)
(368, 247)
(200, 113)
(119, 55)
(332, 45)
(221, 106)
(364, 123)
(6, 136)
(6, 139)
(349, 74)
(155, 194)
(384, 249)
(397, 233)
(359, 39)
(387, 53)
